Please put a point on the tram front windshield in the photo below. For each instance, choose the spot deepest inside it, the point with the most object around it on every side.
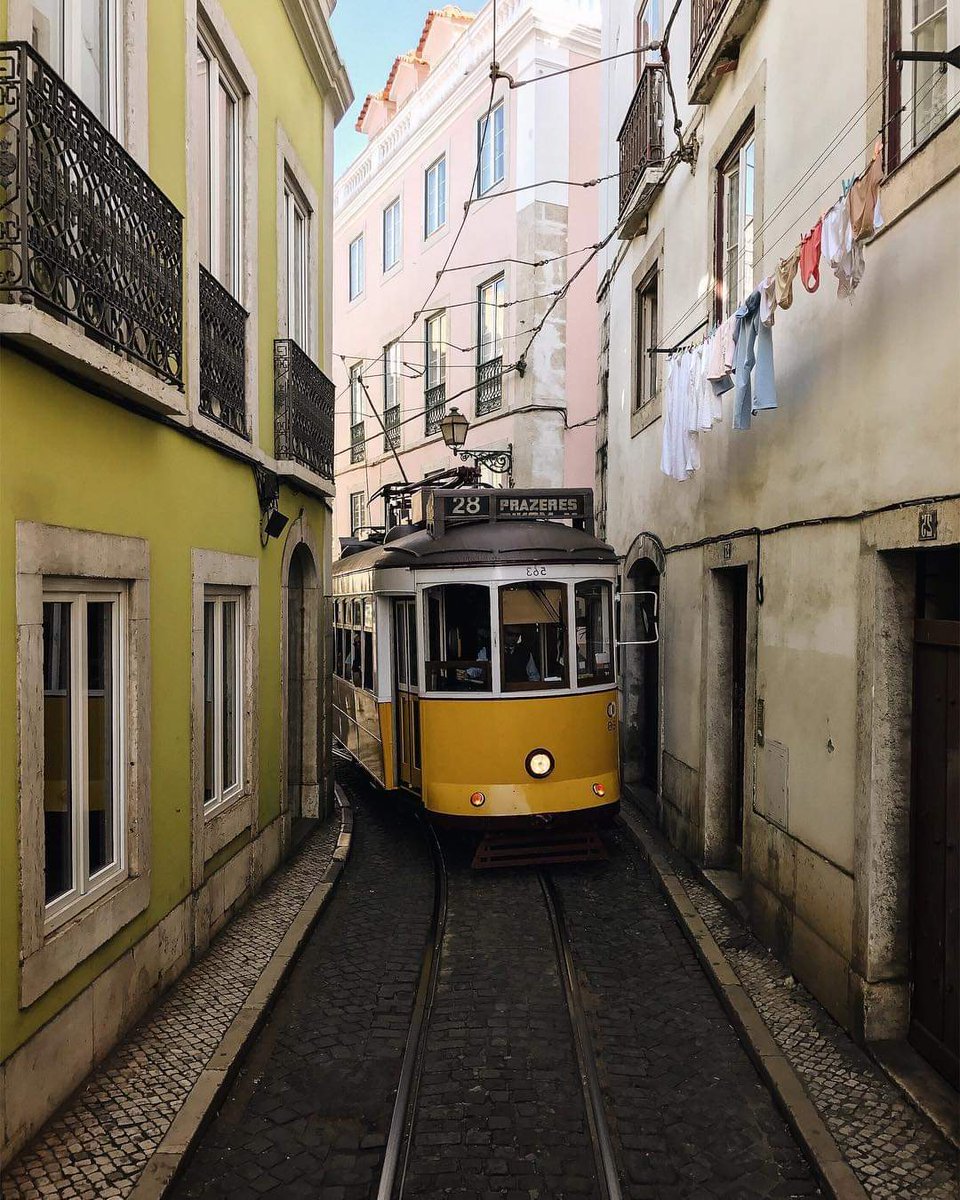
(458, 638)
(533, 636)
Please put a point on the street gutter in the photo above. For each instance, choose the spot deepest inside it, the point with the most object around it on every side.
(835, 1174)
(207, 1094)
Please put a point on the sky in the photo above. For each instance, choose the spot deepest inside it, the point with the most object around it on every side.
(370, 34)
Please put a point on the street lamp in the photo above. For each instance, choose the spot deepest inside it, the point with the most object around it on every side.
(454, 428)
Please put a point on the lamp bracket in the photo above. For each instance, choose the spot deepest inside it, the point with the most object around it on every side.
(500, 462)
(268, 487)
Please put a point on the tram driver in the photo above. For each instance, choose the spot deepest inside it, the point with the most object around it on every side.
(519, 663)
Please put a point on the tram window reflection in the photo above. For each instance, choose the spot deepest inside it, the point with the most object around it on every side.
(458, 638)
(533, 636)
(594, 640)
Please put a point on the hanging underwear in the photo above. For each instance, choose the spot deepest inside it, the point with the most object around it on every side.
(810, 258)
(785, 274)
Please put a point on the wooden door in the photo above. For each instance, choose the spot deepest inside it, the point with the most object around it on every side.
(935, 823)
(738, 703)
(407, 720)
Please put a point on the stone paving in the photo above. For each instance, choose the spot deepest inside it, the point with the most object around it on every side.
(100, 1143)
(501, 1110)
(687, 1109)
(894, 1150)
(308, 1113)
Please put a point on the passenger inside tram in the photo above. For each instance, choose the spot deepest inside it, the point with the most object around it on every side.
(458, 638)
(534, 622)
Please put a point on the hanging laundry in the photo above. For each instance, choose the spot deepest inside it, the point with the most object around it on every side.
(680, 452)
(707, 404)
(768, 300)
(785, 274)
(721, 358)
(810, 248)
(753, 390)
(842, 252)
(864, 200)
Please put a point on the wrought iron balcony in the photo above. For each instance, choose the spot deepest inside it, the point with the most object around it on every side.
(435, 405)
(704, 17)
(223, 335)
(717, 28)
(358, 443)
(303, 409)
(641, 135)
(391, 425)
(489, 385)
(84, 232)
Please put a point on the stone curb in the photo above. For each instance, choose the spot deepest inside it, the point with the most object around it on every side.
(833, 1171)
(205, 1096)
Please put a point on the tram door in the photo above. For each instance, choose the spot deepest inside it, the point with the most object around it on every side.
(407, 716)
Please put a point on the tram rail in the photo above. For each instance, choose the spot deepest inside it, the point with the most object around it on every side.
(401, 1131)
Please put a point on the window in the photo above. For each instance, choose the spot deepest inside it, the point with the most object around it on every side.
(649, 28)
(923, 88)
(435, 197)
(358, 513)
(217, 145)
(222, 691)
(80, 39)
(490, 149)
(83, 736)
(458, 638)
(297, 240)
(533, 637)
(356, 267)
(356, 395)
(490, 298)
(436, 349)
(391, 376)
(593, 629)
(392, 237)
(646, 306)
(735, 207)
(367, 631)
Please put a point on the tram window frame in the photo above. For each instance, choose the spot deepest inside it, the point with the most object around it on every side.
(367, 639)
(587, 679)
(553, 683)
(454, 676)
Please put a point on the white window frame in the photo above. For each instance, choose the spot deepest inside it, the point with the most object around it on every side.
(358, 513)
(299, 267)
(492, 151)
(743, 169)
(219, 74)
(435, 181)
(391, 226)
(355, 268)
(86, 887)
(356, 394)
(220, 597)
(391, 373)
(70, 55)
(647, 325)
(487, 350)
(435, 371)
(913, 137)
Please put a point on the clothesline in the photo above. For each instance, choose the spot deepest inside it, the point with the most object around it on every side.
(737, 355)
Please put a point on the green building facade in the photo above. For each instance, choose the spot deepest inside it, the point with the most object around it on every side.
(165, 402)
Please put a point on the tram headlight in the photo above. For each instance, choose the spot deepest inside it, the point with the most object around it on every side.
(599, 790)
(539, 763)
(478, 799)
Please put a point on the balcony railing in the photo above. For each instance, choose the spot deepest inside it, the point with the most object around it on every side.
(489, 385)
(223, 335)
(84, 232)
(704, 16)
(391, 425)
(641, 135)
(358, 444)
(435, 405)
(303, 409)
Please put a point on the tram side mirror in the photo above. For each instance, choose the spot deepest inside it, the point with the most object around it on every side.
(637, 614)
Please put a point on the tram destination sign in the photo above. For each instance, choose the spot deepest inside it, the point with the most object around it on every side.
(450, 506)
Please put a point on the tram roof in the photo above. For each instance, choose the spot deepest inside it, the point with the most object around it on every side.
(483, 543)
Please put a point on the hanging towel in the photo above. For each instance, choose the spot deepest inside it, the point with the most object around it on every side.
(753, 389)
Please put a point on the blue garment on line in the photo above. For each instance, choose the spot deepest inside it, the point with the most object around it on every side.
(754, 342)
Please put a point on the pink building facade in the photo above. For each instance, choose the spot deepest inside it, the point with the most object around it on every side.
(400, 359)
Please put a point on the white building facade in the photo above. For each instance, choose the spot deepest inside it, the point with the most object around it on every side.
(398, 208)
(796, 722)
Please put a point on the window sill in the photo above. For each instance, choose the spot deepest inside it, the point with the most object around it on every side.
(437, 235)
(80, 936)
(646, 414)
(722, 48)
(68, 347)
(389, 272)
(920, 173)
(226, 821)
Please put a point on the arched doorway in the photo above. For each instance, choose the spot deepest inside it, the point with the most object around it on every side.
(302, 748)
(640, 673)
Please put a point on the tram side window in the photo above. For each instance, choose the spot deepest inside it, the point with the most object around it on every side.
(338, 643)
(368, 645)
(533, 636)
(594, 639)
(458, 637)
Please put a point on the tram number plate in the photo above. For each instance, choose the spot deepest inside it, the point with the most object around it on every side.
(467, 506)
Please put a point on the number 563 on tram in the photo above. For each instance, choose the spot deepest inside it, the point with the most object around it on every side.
(474, 659)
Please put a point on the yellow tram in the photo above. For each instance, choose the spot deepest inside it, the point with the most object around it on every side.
(474, 659)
